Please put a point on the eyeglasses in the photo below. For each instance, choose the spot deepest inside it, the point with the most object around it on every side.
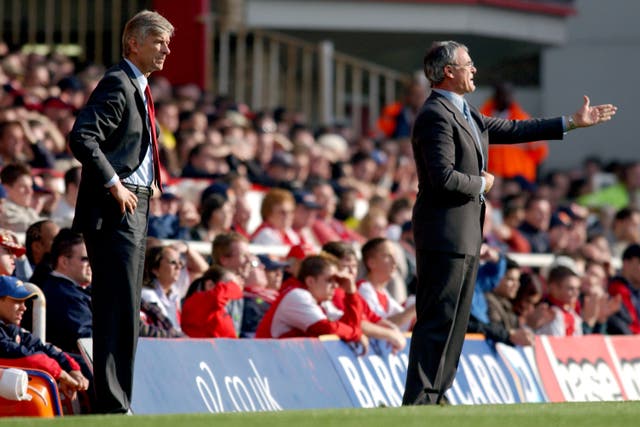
(469, 64)
(175, 263)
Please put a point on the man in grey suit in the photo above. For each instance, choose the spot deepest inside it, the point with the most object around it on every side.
(450, 143)
(114, 137)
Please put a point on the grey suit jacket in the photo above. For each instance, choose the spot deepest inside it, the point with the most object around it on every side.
(448, 211)
(110, 136)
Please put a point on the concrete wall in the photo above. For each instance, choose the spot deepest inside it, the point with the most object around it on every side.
(601, 59)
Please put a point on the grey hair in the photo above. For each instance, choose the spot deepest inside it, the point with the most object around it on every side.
(141, 25)
(439, 55)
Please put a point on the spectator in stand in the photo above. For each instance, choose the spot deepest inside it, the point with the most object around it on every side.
(17, 211)
(399, 213)
(280, 172)
(595, 303)
(625, 230)
(19, 144)
(20, 349)
(535, 225)
(10, 249)
(532, 312)
(67, 291)
(216, 216)
(500, 282)
(619, 195)
(300, 310)
(397, 119)
(277, 212)
(66, 207)
(626, 285)
(258, 298)
(231, 251)
(167, 114)
(559, 233)
(154, 324)
(508, 161)
(379, 260)
(373, 325)
(162, 268)
(327, 228)
(564, 290)
(294, 258)
(373, 226)
(213, 305)
(38, 242)
(304, 216)
(207, 160)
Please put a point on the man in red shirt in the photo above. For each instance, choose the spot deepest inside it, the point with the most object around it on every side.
(304, 307)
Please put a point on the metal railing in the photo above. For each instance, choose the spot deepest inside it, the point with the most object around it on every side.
(263, 69)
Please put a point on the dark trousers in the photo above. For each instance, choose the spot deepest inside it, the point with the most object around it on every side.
(116, 253)
(443, 303)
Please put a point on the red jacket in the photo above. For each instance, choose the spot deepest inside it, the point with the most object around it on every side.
(205, 315)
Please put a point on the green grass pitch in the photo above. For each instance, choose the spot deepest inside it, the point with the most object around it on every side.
(601, 414)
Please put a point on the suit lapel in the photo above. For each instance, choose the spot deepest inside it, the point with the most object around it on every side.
(462, 122)
(139, 96)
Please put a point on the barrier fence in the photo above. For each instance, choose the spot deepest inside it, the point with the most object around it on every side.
(224, 375)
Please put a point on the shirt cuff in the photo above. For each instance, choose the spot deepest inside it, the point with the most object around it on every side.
(484, 185)
(112, 181)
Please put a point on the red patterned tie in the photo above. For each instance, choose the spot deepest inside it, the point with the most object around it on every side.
(154, 139)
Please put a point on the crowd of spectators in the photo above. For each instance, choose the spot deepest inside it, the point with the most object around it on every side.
(339, 204)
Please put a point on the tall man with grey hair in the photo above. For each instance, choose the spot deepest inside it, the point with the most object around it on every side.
(450, 141)
(114, 137)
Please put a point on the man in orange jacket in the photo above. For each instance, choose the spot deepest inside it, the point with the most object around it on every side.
(508, 161)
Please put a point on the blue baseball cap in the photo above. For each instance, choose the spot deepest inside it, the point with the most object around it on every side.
(14, 288)
(271, 264)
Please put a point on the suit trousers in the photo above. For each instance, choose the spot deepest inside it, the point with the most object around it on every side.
(443, 302)
(116, 252)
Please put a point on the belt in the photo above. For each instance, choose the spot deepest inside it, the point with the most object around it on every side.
(138, 189)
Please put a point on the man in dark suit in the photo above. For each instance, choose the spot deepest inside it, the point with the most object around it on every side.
(114, 138)
(450, 142)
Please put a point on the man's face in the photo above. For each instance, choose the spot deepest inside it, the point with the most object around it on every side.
(508, 286)
(7, 262)
(77, 266)
(149, 54)
(324, 285)
(238, 260)
(567, 291)
(461, 73)
(11, 310)
(13, 142)
(21, 191)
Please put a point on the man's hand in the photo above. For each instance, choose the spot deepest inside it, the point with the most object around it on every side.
(589, 116)
(346, 282)
(489, 178)
(68, 386)
(125, 198)
(522, 336)
(83, 382)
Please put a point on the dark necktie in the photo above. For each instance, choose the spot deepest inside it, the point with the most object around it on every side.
(154, 140)
(474, 129)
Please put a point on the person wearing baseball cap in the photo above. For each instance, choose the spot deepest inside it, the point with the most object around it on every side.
(23, 350)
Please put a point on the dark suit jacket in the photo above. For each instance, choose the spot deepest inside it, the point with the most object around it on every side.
(447, 212)
(110, 136)
(68, 312)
